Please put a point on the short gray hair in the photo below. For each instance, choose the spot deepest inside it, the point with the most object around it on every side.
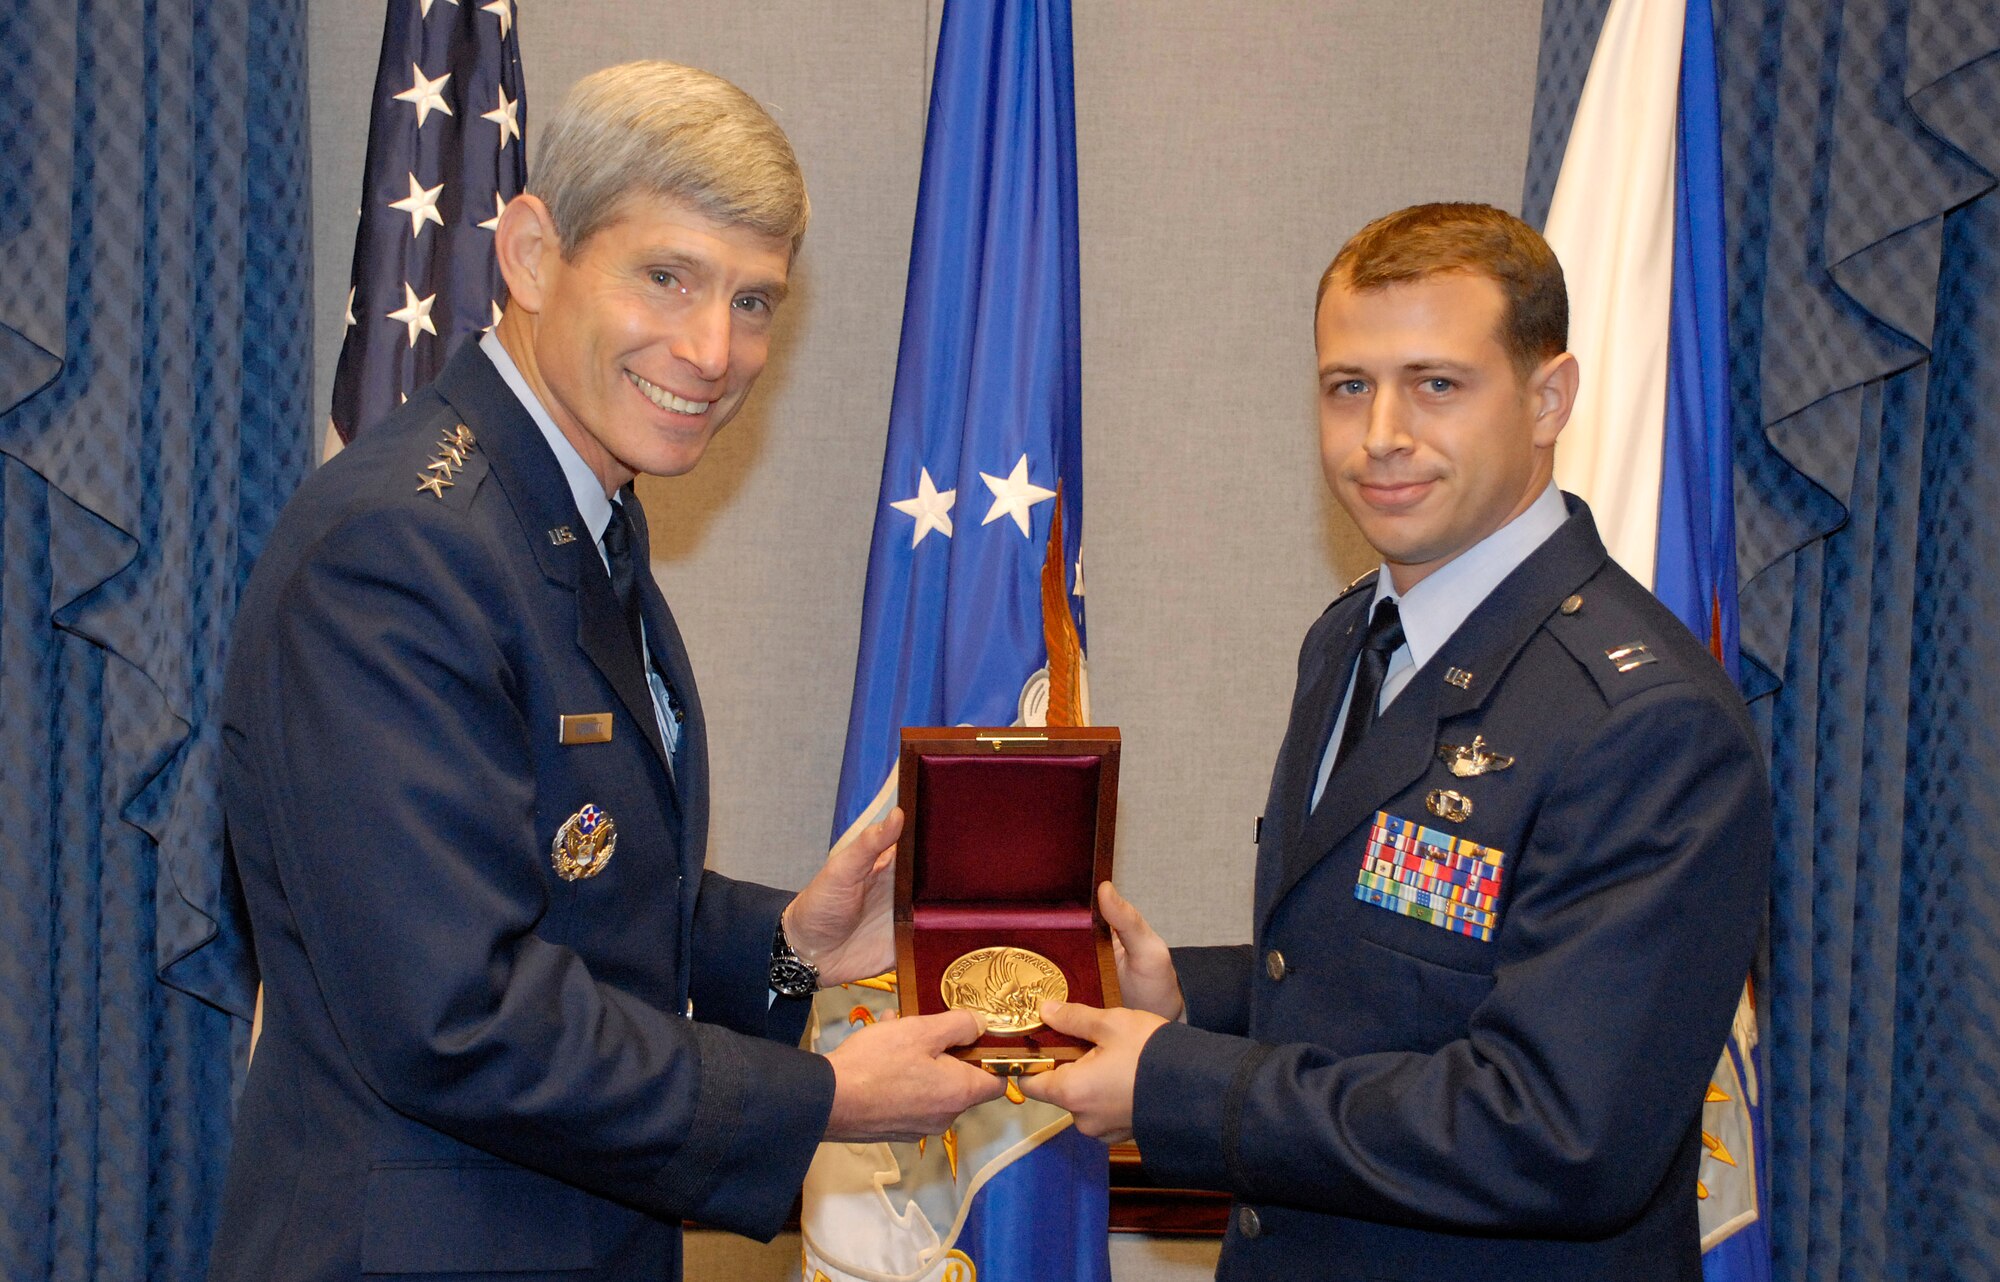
(660, 129)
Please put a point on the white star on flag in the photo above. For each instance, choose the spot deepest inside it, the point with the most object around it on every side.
(350, 305)
(415, 312)
(507, 115)
(424, 7)
(1078, 589)
(420, 205)
(931, 507)
(428, 95)
(1014, 496)
(504, 9)
(499, 208)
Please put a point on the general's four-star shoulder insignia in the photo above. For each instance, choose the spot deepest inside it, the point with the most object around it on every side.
(453, 447)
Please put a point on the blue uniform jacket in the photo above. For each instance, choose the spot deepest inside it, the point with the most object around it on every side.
(470, 1065)
(1387, 1097)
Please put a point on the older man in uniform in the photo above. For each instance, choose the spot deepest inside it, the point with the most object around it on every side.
(512, 1027)
(1513, 863)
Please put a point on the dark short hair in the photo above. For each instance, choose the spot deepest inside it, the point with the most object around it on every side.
(1426, 240)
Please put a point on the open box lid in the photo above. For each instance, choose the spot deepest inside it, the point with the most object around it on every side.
(1014, 819)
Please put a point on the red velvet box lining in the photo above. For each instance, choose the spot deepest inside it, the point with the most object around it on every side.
(1012, 829)
(1005, 855)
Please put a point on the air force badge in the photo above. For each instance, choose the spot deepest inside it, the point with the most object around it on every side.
(1473, 760)
(584, 843)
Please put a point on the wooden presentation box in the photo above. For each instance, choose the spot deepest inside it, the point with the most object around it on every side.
(1006, 834)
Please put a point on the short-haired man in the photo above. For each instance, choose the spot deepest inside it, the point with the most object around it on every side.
(512, 1027)
(1514, 858)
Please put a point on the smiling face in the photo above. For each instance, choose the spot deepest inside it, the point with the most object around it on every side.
(1429, 435)
(644, 341)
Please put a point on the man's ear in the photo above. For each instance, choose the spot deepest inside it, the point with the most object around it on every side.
(529, 251)
(1552, 392)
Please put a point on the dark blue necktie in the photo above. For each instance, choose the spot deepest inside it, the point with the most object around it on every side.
(624, 574)
(1383, 639)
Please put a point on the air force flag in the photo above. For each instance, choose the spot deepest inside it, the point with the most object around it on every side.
(974, 615)
(1636, 220)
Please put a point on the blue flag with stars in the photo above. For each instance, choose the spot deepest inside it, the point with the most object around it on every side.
(987, 411)
(445, 152)
(974, 577)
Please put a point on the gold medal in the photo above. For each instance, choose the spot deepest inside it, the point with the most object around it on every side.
(1008, 984)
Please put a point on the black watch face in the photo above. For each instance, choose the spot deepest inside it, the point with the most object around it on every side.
(792, 977)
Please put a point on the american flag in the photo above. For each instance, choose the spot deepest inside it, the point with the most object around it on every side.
(445, 152)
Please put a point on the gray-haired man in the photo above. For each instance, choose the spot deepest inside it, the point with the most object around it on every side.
(512, 1027)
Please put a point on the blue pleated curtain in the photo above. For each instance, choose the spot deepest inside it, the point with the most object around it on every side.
(1862, 142)
(154, 387)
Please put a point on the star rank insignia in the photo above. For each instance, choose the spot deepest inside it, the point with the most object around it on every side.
(452, 447)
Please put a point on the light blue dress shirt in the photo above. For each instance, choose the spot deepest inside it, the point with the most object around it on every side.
(1433, 609)
(591, 505)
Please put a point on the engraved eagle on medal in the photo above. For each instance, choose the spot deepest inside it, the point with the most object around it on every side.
(1008, 985)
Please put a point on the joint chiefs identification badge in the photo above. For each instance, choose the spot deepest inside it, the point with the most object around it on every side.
(584, 843)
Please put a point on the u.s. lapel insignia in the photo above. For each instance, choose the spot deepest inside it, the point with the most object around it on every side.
(1472, 760)
(1458, 677)
(1446, 804)
(584, 843)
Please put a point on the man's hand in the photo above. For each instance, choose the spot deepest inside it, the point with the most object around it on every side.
(840, 921)
(1146, 976)
(891, 1080)
(1098, 1087)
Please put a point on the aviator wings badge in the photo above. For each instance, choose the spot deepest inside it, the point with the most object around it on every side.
(584, 843)
(1473, 760)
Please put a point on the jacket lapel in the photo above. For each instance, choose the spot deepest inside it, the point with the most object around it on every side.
(1400, 746)
(521, 461)
(1322, 684)
(690, 774)
(1396, 751)
(602, 635)
(670, 659)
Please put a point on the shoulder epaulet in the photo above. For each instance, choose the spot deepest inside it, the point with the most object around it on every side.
(1366, 580)
(454, 468)
(1618, 646)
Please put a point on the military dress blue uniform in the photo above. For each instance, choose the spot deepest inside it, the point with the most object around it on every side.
(470, 1063)
(1474, 1034)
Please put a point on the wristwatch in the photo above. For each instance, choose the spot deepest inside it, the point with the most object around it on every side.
(791, 974)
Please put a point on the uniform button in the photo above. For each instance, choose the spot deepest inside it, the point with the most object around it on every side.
(1274, 965)
(1247, 1222)
(1572, 604)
